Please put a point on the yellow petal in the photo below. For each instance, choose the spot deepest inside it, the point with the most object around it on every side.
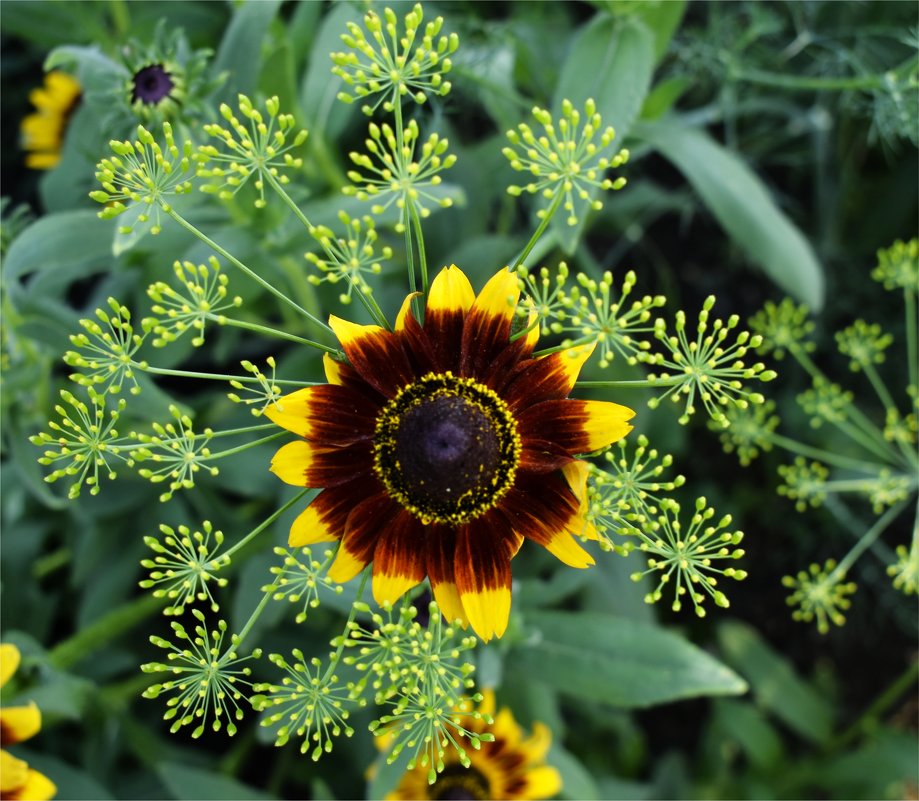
(498, 297)
(13, 773)
(605, 423)
(291, 412)
(542, 782)
(405, 310)
(37, 787)
(450, 291)
(448, 599)
(309, 528)
(19, 723)
(292, 461)
(332, 369)
(9, 661)
(346, 565)
(349, 333)
(488, 611)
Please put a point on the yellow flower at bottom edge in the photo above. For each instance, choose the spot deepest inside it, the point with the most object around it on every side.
(43, 131)
(18, 723)
(510, 767)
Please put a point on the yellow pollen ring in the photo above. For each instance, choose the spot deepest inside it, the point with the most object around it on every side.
(423, 497)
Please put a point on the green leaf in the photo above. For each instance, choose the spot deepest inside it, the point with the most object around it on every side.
(612, 61)
(774, 683)
(184, 781)
(662, 17)
(97, 73)
(741, 203)
(240, 51)
(662, 97)
(577, 783)
(325, 116)
(621, 662)
(71, 782)
(744, 724)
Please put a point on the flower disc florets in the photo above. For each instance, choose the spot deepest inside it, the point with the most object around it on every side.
(446, 448)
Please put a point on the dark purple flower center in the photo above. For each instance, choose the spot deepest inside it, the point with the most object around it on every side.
(457, 782)
(446, 448)
(151, 85)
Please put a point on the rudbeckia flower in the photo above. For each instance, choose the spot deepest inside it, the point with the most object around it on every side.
(510, 767)
(18, 723)
(441, 447)
(43, 131)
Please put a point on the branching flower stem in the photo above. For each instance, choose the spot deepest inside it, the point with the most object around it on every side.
(867, 540)
(266, 522)
(368, 300)
(216, 376)
(342, 639)
(273, 332)
(541, 228)
(251, 273)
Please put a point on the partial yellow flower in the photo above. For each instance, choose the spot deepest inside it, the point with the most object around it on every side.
(43, 131)
(18, 723)
(510, 767)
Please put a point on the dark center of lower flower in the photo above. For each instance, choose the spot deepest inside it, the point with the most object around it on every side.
(446, 448)
(457, 782)
(151, 85)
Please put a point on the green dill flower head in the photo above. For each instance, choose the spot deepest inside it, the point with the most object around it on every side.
(888, 488)
(622, 497)
(543, 295)
(348, 257)
(905, 572)
(594, 314)
(261, 387)
(208, 682)
(104, 350)
(901, 428)
(864, 344)
(85, 441)
(804, 483)
(391, 64)
(258, 148)
(299, 578)
(176, 452)
(142, 176)
(783, 327)
(749, 430)
(689, 561)
(707, 368)
(821, 594)
(564, 161)
(310, 702)
(393, 173)
(898, 266)
(201, 296)
(825, 402)
(184, 566)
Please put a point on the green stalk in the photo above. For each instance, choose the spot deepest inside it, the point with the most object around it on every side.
(333, 662)
(912, 338)
(274, 332)
(422, 256)
(251, 273)
(100, 633)
(835, 459)
(243, 379)
(244, 447)
(867, 540)
(544, 223)
(369, 303)
(265, 523)
(641, 383)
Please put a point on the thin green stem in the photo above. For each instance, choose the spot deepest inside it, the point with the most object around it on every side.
(266, 522)
(869, 720)
(912, 337)
(422, 256)
(243, 379)
(101, 632)
(274, 332)
(256, 614)
(244, 447)
(544, 223)
(801, 83)
(879, 387)
(251, 273)
(827, 457)
(369, 303)
(642, 383)
(867, 540)
(333, 662)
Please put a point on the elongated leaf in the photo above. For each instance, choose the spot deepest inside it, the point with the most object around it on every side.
(741, 203)
(185, 781)
(576, 779)
(618, 661)
(774, 683)
(611, 60)
(240, 51)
